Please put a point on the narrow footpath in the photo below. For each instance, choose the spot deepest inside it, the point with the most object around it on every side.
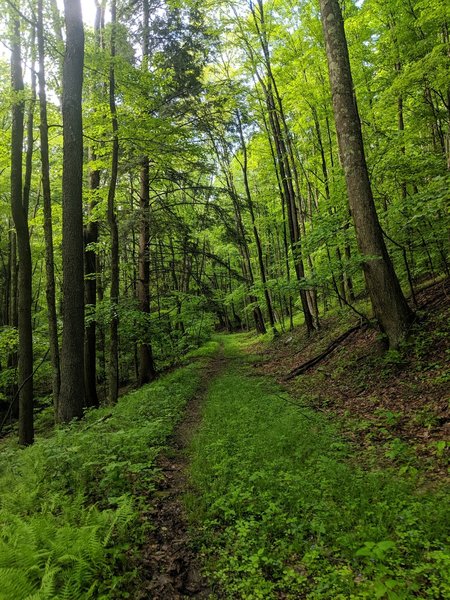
(170, 569)
(261, 497)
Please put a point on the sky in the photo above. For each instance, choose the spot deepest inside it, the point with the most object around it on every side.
(88, 9)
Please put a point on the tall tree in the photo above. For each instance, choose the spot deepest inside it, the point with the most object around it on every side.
(19, 207)
(389, 304)
(112, 220)
(47, 201)
(146, 364)
(283, 145)
(251, 208)
(71, 400)
(91, 260)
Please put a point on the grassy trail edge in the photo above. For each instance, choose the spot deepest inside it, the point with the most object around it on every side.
(282, 509)
(70, 504)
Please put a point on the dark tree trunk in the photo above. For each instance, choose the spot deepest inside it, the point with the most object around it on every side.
(290, 200)
(341, 290)
(283, 208)
(246, 258)
(101, 328)
(281, 137)
(262, 268)
(20, 217)
(7, 270)
(48, 227)
(223, 159)
(146, 369)
(13, 316)
(146, 365)
(71, 399)
(91, 260)
(90, 296)
(112, 221)
(389, 304)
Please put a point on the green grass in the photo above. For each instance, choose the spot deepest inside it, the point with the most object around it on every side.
(282, 506)
(208, 349)
(69, 504)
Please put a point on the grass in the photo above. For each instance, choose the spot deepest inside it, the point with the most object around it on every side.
(69, 504)
(282, 507)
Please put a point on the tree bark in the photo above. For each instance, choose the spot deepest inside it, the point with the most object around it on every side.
(112, 221)
(146, 365)
(20, 217)
(281, 137)
(71, 400)
(146, 368)
(224, 160)
(390, 307)
(262, 268)
(90, 295)
(48, 227)
(289, 303)
(246, 258)
(290, 200)
(91, 261)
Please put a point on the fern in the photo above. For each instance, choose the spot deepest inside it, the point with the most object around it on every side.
(66, 505)
(14, 584)
(122, 517)
(47, 589)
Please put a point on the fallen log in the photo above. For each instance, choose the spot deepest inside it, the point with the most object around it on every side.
(314, 361)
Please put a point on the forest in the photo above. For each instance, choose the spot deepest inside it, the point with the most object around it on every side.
(224, 299)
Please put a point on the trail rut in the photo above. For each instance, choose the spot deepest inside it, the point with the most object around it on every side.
(169, 567)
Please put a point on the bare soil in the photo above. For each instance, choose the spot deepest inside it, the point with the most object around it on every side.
(169, 568)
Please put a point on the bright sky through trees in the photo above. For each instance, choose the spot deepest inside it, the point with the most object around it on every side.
(88, 8)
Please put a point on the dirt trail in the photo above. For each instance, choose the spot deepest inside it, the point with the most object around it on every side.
(169, 568)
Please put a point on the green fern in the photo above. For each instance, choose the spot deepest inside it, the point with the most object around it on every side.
(47, 589)
(66, 505)
(15, 584)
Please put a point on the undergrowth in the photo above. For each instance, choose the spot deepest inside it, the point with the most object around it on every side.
(284, 510)
(69, 504)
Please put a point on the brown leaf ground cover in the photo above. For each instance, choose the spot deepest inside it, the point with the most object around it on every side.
(393, 403)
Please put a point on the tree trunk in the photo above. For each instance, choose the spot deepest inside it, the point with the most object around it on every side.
(224, 161)
(291, 208)
(48, 227)
(71, 399)
(147, 370)
(13, 315)
(146, 365)
(112, 221)
(90, 296)
(262, 268)
(283, 147)
(283, 208)
(20, 217)
(389, 304)
(246, 258)
(90, 257)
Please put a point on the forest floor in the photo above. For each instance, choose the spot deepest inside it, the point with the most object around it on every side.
(225, 480)
(330, 485)
(393, 404)
(167, 564)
